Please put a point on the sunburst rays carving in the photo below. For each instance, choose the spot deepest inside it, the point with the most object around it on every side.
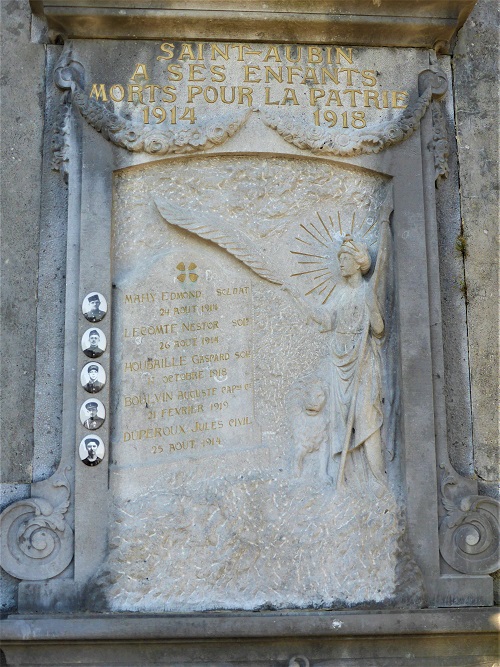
(319, 243)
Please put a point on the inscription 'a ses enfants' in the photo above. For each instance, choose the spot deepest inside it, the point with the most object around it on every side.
(187, 76)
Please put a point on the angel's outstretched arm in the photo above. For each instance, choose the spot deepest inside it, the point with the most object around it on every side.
(310, 311)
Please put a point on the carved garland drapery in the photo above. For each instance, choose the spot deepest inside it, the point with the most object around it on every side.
(135, 137)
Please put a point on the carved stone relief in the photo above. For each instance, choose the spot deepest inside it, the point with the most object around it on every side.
(36, 539)
(268, 519)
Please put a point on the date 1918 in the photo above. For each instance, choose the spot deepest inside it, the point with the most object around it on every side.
(357, 119)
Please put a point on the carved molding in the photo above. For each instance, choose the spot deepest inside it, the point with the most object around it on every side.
(439, 144)
(60, 138)
(36, 539)
(469, 532)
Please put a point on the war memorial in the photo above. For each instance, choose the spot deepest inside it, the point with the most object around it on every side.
(250, 333)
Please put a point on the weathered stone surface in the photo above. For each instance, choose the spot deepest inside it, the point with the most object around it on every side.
(368, 22)
(450, 638)
(478, 155)
(22, 127)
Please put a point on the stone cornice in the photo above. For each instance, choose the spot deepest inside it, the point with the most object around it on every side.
(404, 23)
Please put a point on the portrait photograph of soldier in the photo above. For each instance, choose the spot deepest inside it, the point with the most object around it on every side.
(94, 307)
(93, 343)
(92, 414)
(91, 450)
(93, 378)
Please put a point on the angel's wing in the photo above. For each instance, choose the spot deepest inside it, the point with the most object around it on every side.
(215, 229)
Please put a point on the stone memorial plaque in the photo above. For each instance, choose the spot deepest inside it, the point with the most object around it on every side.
(262, 279)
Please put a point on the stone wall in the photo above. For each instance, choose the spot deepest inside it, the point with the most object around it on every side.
(33, 269)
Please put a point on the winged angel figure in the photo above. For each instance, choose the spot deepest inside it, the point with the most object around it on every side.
(355, 319)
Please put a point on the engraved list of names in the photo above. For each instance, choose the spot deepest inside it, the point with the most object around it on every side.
(186, 385)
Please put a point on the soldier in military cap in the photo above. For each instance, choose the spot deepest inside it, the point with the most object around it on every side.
(95, 314)
(93, 350)
(93, 384)
(91, 445)
(93, 421)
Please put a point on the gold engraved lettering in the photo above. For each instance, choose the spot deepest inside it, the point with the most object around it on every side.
(277, 76)
(209, 358)
(134, 89)
(342, 54)
(140, 71)
(349, 72)
(315, 94)
(370, 75)
(175, 72)
(168, 49)
(310, 75)
(147, 399)
(116, 97)
(333, 76)
(151, 88)
(187, 52)
(199, 326)
(399, 96)
(268, 97)
(218, 73)
(196, 70)
(334, 94)
(155, 364)
(194, 394)
(371, 95)
(314, 54)
(240, 421)
(223, 96)
(193, 91)
(207, 426)
(288, 54)
(175, 296)
(98, 91)
(170, 93)
(147, 297)
(184, 444)
(290, 96)
(232, 291)
(293, 71)
(217, 51)
(252, 70)
(352, 94)
(210, 94)
(272, 52)
(245, 93)
(184, 377)
(151, 330)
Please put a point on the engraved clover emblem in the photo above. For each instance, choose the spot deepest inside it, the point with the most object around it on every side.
(187, 273)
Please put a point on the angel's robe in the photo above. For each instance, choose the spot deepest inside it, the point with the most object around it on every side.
(349, 319)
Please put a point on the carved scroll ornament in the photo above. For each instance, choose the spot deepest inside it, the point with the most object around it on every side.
(135, 137)
(469, 532)
(36, 539)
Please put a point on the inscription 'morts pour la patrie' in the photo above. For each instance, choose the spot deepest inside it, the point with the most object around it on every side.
(187, 76)
(187, 374)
